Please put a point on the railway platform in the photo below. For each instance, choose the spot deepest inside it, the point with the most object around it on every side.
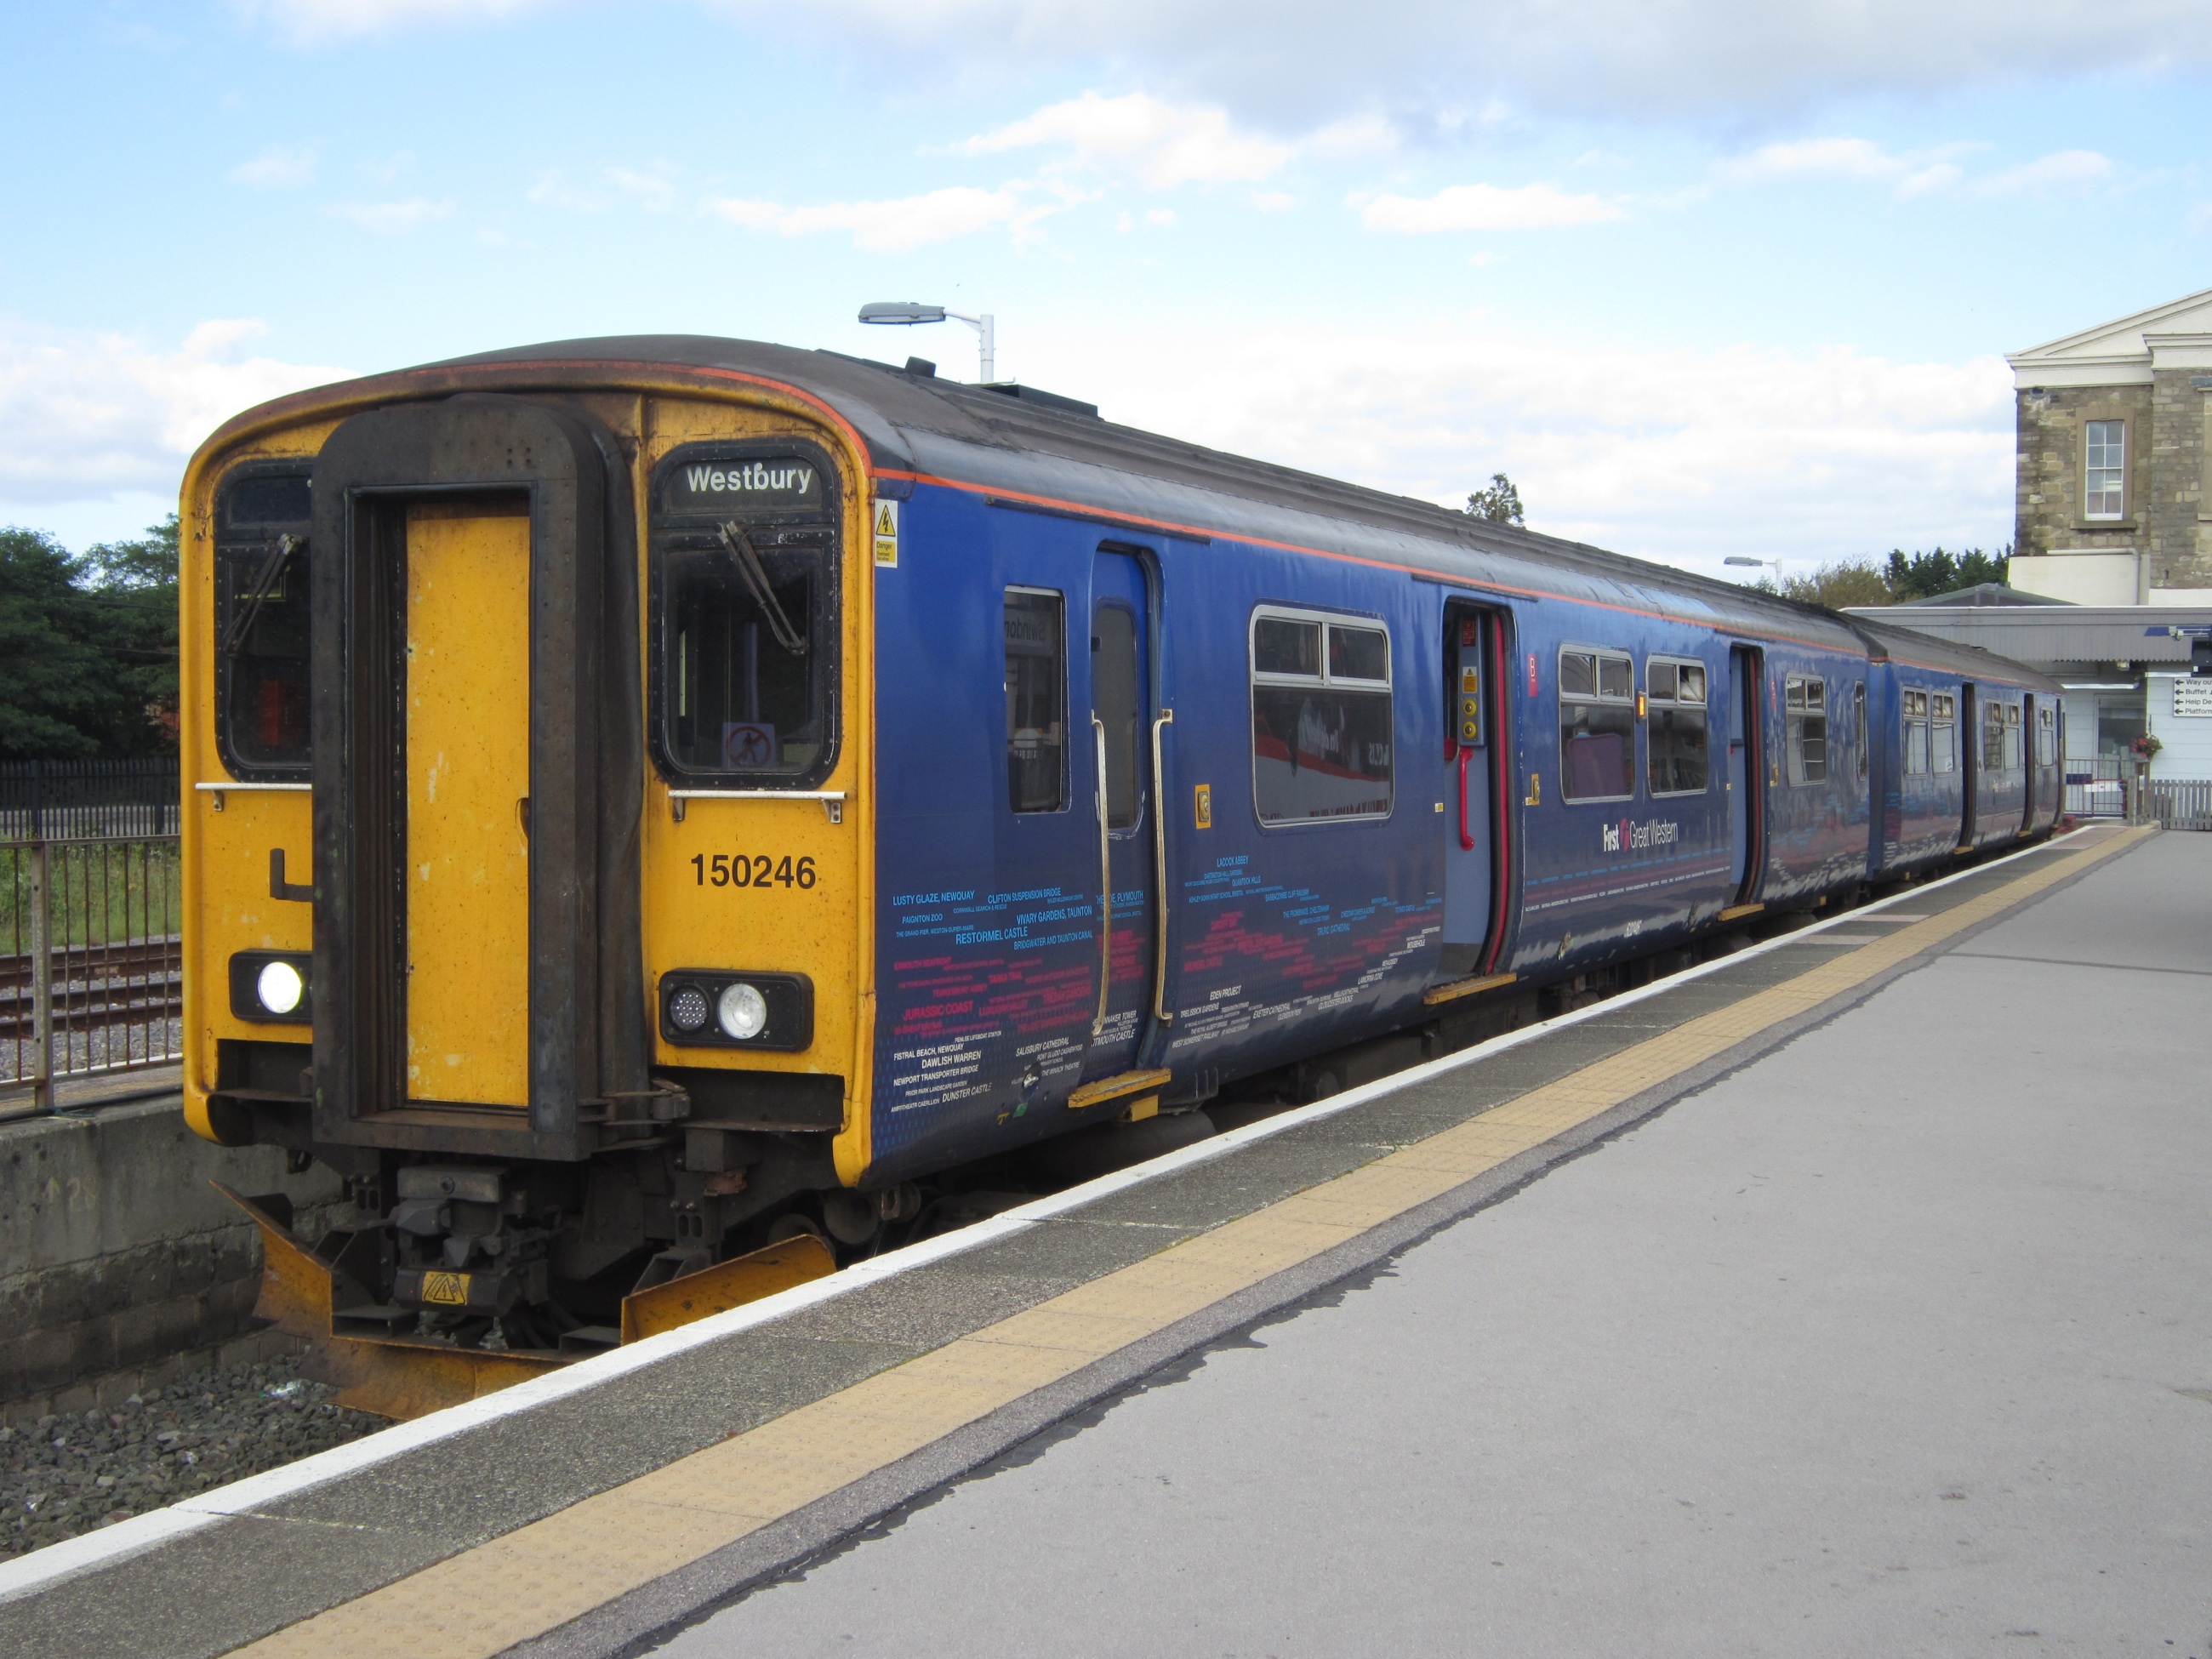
(1843, 1296)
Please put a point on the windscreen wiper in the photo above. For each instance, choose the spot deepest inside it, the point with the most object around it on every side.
(740, 546)
(265, 584)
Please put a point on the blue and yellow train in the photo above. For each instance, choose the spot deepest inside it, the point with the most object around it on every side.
(656, 805)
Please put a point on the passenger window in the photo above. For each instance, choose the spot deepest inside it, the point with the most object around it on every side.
(1943, 733)
(1036, 698)
(1806, 713)
(1597, 725)
(1674, 727)
(1858, 727)
(1114, 700)
(1322, 734)
(2046, 738)
(1993, 737)
(1916, 733)
(2012, 738)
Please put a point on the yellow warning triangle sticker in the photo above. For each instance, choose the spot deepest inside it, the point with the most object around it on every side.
(886, 520)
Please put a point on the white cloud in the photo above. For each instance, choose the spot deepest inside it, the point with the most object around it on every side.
(1294, 63)
(318, 22)
(908, 221)
(653, 190)
(1911, 173)
(1139, 137)
(277, 168)
(2065, 169)
(1482, 207)
(391, 218)
(1684, 456)
(85, 416)
(1274, 201)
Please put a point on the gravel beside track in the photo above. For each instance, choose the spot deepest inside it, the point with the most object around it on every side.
(65, 1475)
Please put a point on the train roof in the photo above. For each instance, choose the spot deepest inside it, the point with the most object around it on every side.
(1034, 448)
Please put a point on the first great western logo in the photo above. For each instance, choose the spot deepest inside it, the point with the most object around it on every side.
(1629, 836)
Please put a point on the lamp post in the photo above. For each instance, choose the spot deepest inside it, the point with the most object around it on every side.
(905, 313)
(1775, 565)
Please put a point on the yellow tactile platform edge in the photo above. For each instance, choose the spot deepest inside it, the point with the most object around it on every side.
(540, 1577)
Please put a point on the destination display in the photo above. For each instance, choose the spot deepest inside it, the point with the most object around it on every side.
(725, 487)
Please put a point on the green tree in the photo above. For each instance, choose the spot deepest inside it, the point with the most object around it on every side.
(88, 647)
(1845, 582)
(50, 670)
(1925, 575)
(133, 595)
(1497, 503)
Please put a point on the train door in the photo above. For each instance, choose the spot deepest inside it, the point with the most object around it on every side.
(1747, 772)
(1123, 800)
(1970, 760)
(2031, 758)
(1478, 764)
(466, 741)
(477, 726)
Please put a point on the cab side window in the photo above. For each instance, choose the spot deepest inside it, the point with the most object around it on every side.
(1597, 724)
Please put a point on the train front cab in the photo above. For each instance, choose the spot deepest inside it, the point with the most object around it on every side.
(523, 853)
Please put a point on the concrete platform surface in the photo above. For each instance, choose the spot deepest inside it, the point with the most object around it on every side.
(1895, 1341)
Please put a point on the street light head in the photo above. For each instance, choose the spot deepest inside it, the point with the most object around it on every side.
(1738, 558)
(901, 312)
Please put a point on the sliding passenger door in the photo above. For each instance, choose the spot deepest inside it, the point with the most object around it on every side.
(1970, 763)
(1477, 768)
(1123, 739)
(1747, 777)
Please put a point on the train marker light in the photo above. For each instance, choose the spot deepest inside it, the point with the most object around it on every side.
(280, 988)
(687, 1009)
(742, 1012)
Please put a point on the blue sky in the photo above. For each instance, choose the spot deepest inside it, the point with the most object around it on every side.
(1705, 278)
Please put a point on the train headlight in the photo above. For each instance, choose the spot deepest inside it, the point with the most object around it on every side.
(280, 986)
(742, 1011)
(273, 988)
(736, 1008)
(687, 1009)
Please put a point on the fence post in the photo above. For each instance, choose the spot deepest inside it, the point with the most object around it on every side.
(42, 983)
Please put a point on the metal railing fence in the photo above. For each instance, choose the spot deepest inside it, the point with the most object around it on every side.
(92, 971)
(82, 799)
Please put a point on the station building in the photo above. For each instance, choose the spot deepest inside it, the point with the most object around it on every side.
(2111, 576)
(2114, 487)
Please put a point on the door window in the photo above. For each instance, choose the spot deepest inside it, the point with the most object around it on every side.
(1115, 695)
(1943, 733)
(1916, 733)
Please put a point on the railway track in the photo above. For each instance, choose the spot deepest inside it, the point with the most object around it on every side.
(131, 983)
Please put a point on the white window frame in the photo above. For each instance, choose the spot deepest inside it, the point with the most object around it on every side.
(1348, 619)
(2113, 471)
(1560, 699)
(1704, 705)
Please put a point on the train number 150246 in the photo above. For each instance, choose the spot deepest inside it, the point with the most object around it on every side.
(758, 870)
